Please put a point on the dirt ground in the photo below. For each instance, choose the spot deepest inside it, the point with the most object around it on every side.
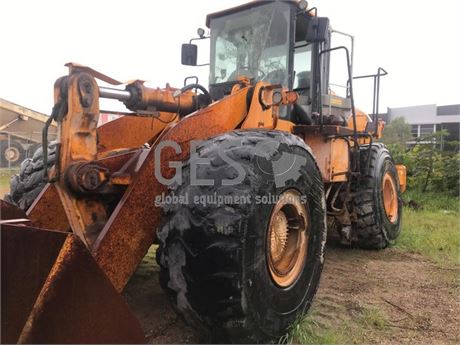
(420, 300)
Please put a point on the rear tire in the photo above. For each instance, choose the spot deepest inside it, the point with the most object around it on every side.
(215, 258)
(25, 186)
(377, 199)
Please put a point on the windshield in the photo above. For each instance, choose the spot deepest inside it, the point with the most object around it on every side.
(252, 43)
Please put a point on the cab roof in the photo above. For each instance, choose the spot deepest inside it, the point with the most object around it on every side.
(243, 7)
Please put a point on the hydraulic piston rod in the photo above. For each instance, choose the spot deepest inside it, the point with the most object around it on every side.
(137, 96)
(121, 95)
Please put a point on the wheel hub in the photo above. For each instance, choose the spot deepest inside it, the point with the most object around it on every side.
(390, 197)
(12, 154)
(287, 239)
(279, 236)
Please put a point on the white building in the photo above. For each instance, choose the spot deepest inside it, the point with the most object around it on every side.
(426, 119)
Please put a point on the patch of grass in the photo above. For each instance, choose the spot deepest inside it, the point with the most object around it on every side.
(433, 233)
(373, 318)
(430, 201)
(309, 331)
(5, 176)
(354, 330)
(434, 229)
(4, 180)
(148, 265)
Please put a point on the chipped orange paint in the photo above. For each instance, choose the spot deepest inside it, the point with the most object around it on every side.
(78, 142)
(131, 131)
(331, 156)
(402, 176)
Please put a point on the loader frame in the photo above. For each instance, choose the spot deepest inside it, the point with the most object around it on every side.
(98, 207)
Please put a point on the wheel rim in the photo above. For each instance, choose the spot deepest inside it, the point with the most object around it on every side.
(390, 197)
(287, 239)
(12, 154)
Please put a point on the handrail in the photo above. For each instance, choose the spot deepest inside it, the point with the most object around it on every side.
(376, 97)
(353, 110)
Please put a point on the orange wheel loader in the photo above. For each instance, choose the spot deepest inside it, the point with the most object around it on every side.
(237, 185)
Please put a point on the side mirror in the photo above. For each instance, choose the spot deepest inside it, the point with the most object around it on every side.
(318, 29)
(189, 54)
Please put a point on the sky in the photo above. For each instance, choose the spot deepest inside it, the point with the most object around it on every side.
(416, 41)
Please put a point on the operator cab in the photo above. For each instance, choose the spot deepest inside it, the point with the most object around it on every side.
(253, 42)
(279, 42)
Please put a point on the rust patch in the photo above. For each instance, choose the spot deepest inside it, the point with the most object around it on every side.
(117, 161)
(27, 257)
(47, 211)
(9, 211)
(130, 131)
(79, 305)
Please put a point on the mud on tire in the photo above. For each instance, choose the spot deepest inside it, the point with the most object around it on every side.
(213, 257)
(373, 228)
(28, 183)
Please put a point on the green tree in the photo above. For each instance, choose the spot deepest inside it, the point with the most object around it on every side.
(397, 132)
(430, 168)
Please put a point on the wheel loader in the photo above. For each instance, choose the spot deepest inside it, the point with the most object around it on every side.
(236, 183)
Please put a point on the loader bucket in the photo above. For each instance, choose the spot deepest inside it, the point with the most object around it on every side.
(53, 291)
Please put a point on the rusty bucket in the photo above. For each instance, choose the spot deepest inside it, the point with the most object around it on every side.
(53, 291)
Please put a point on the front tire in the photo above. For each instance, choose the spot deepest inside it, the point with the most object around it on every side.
(29, 182)
(245, 270)
(377, 199)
